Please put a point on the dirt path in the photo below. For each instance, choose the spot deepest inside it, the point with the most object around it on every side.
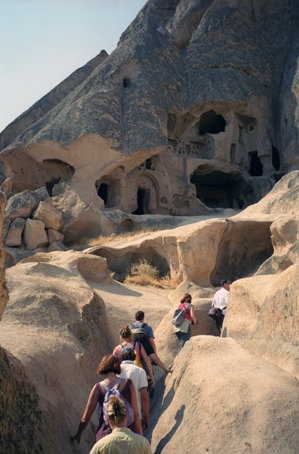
(122, 301)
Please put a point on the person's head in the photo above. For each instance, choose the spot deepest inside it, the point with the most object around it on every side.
(128, 354)
(109, 364)
(225, 283)
(125, 333)
(116, 412)
(187, 298)
(139, 316)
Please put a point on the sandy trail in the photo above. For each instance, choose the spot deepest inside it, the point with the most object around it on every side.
(122, 301)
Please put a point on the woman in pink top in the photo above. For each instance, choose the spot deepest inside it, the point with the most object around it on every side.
(183, 332)
(126, 341)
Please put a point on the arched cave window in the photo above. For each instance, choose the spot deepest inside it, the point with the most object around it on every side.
(103, 192)
(126, 82)
(211, 123)
(256, 167)
(275, 158)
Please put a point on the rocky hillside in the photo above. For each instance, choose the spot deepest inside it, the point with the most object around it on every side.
(194, 111)
(191, 119)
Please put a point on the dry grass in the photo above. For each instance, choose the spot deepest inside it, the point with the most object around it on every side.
(102, 239)
(143, 273)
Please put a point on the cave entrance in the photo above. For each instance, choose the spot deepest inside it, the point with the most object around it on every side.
(143, 201)
(243, 248)
(256, 166)
(217, 189)
(109, 190)
(211, 123)
(103, 192)
(275, 158)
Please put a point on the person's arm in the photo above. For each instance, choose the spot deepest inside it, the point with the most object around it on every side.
(150, 335)
(148, 364)
(153, 343)
(145, 407)
(135, 407)
(193, 316)
(89, 409)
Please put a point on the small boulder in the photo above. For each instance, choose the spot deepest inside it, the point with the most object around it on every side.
(21, 205)
(35, 235)
(57, 246)
(14, 235)
(47, 213)
(54, 236)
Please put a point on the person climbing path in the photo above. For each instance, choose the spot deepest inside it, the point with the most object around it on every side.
(183, 332)
(143, 333)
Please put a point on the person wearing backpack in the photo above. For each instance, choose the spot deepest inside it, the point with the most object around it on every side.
(122, 440)
(142, 358)
(111, 385)
(143, 333)
(183, 332)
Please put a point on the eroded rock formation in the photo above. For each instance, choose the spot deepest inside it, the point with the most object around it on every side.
(194, 111)
(55, 327)
(222, 398)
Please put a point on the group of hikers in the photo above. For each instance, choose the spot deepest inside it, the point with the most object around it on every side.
(123, 395)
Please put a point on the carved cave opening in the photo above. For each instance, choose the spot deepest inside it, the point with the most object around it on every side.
(243, 248)
(256, 166)
(126, 82)
(217, 189)
(211, 123)
(109, 190)
(103, 192)
(275, 158)
(55, 171)
(143, 201)
(50, 185)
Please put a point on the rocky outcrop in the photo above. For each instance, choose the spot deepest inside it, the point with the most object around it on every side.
(23, 426)
(189, 138)
(55, 327)
(3, 290)
(48, 102)
(263, 316)
(220, 398)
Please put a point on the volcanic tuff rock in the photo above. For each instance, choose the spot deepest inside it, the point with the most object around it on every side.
(221, 398)
(195, 110)
(56, 328)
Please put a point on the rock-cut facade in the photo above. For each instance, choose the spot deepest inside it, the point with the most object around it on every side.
(196, 110)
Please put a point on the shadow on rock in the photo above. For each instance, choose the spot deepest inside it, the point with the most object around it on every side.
(178, 419)
(118, 289)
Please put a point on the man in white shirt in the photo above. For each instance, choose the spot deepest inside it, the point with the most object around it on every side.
(220, 302)
(139, 378)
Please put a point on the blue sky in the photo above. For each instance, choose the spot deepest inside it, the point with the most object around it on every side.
(43, 41)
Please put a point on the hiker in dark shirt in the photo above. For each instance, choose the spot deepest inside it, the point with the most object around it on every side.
(143, 333)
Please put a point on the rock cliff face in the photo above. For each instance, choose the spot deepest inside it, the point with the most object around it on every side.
(56, 329)
(196, 109)
(221, 398)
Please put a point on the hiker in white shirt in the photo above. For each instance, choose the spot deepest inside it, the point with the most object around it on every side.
(220, 301)
(138, 376)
